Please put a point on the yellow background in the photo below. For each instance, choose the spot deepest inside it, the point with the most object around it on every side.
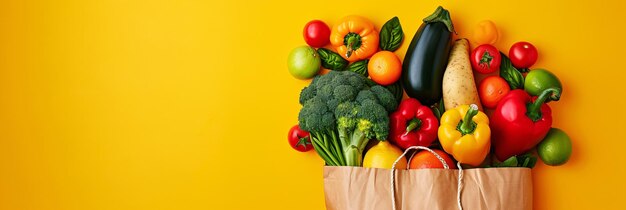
(186, 104)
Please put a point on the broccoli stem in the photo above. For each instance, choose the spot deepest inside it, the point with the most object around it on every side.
(343, 136)
(354, 151)
(353, 156)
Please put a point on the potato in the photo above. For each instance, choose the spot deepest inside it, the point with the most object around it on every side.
(459, 87)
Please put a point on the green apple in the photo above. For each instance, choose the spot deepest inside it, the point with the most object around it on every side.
(303, 62)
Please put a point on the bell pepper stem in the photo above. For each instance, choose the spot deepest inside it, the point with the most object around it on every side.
(441, 15)
(414, 124)
(534, 109)
(352, 42)
(468, 125)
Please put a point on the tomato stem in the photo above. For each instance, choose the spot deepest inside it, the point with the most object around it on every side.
(486, 59)
(303, 142)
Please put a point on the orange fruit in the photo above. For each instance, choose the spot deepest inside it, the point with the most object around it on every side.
(382, 155)
(426, 159)
(485, 32)
(384, 68)
(491, 90)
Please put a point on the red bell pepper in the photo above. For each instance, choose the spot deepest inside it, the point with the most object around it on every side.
(413, 124)
(519, 122)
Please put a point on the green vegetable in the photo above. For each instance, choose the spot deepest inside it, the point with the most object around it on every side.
(359, 67)
(527, 160)
(331, 60)
(509, 73)
(396, 90)
(342, 110)
(391, 35)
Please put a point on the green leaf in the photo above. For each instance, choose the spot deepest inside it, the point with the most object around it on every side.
(511, 162)
(528, 160)
(438, 109)
(331, 60)
(508, 72)
(391, 35)
(359, 67)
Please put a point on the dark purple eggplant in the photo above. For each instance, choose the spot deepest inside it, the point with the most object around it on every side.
(426, 58)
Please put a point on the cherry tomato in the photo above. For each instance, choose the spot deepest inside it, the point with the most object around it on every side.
(485, 32)
(486, 59)
(299, 139)
(523, 55)
(491, 90)
(316, 33)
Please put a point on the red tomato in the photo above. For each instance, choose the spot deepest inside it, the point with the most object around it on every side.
(316, 33)
(523, 55)
(299, 139)
(491, 90)
(486, 59)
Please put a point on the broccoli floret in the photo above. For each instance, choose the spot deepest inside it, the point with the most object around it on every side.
(326, 92)
(342, 111)
(365, 95)
(306, 94)
(346, 115)
(313, 115)
(344, 93)
(375, 114)
(385, 98)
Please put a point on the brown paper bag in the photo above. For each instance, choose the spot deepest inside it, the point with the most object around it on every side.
(357, 188)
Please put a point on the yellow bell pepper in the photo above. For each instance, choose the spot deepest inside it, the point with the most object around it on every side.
(354, 38)
(465, 134)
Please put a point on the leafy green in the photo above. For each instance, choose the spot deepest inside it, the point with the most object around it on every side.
(391, 35)
(359, 67)
(331, 60)
(509, 73)
(527, 160)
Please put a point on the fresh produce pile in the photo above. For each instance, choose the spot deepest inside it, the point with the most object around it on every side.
(353, 112)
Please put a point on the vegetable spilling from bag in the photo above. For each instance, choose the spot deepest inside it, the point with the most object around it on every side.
(356, 112)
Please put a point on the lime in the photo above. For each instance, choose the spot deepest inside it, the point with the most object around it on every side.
(556, 148)
(539, 80)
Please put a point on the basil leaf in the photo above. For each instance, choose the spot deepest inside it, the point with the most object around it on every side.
(528, 160)
(511, 162)
(509, 73)
(331, 60)
(359, 67)
(391, 35)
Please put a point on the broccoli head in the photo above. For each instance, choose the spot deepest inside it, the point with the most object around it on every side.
(343, 110)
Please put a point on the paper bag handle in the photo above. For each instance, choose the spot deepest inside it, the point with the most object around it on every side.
(445, 166)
